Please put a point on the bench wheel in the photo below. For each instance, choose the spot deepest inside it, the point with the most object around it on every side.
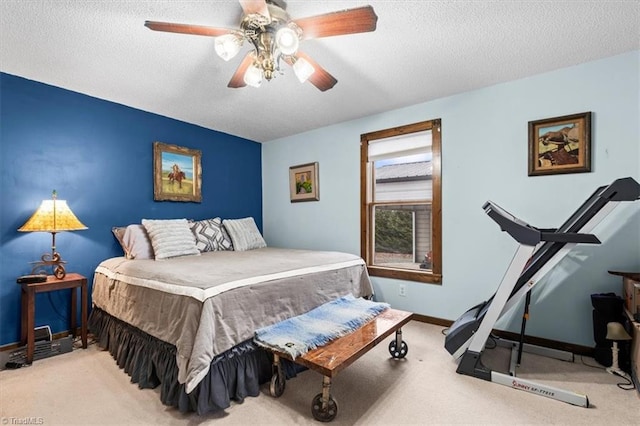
(278, 383)
(398, 352)
(329, 413)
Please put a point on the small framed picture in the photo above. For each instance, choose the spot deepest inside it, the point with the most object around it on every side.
(303, 182)
(560, 145)
(177, 173)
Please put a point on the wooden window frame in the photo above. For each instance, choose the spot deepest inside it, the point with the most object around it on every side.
(433, 276)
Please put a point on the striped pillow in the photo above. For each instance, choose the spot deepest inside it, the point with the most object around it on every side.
(244, 234)
(170, 238)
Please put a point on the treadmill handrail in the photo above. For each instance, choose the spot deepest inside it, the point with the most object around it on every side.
(521, 231)
(524, 233)
(570, 237)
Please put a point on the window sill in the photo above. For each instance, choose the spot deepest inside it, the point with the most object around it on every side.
(405, 274)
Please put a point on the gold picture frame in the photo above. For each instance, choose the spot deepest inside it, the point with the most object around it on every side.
(560, 145)
(177, 173)
(304, 183)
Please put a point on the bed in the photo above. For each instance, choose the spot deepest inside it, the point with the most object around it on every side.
(186, 323)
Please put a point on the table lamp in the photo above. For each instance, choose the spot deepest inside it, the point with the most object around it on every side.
(616, 333)
(52, 216)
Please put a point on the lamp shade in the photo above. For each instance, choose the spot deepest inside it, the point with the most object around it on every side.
(303, 69)
(287, 40)
(52, 216)
(615, 331)
(253, 76)
(228, 46)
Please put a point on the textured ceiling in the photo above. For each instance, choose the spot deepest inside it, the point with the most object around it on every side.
(421, 50)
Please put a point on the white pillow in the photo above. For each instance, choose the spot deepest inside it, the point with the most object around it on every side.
(210, 235)
(171, 238)
(244, 234)
(134, 241)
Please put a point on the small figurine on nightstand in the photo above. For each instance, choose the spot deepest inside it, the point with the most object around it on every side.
(426, 264)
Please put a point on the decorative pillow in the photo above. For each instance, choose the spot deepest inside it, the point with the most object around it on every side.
(211, 235)
(134, 241)
(170, 238)
(244, 234)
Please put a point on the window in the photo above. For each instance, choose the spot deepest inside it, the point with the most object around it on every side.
(401, 202)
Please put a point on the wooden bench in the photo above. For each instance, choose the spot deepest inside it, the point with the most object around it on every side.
(338, 354)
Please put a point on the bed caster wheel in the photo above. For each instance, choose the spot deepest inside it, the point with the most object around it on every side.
(328, 413)
(400, 352)
(277, 385)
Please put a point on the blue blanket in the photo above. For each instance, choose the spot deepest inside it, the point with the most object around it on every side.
(298, 335)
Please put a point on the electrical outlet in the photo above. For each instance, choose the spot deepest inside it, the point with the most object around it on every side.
(402, 290)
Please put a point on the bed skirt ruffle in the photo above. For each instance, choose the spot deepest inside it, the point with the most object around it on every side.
(151, 362)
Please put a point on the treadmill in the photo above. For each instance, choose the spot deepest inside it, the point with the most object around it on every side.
(538, 252)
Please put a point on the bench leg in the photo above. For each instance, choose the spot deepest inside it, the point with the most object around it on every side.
(324, 408)
(278, 381)
(398, 348)
(399, 337)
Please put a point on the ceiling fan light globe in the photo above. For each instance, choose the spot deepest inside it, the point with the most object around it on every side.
(253, 76)
(287, 41)
(228, 46)
(303, 69)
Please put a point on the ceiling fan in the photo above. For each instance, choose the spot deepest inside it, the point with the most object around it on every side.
(275, 38)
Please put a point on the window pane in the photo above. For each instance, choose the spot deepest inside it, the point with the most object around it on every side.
(403, 178)
(402, 236)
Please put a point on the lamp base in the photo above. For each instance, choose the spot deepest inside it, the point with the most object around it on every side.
(50, 260)
(618, 372)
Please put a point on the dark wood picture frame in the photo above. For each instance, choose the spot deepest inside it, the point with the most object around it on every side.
(304, 183)
(560, 145)
(177, 173)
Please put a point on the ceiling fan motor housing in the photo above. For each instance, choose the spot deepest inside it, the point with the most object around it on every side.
(261, 31)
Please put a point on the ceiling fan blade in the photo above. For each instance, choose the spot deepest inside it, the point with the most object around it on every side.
(237, 80)
(255, 6)
(350, 21)
(186, 29)
(320, 77)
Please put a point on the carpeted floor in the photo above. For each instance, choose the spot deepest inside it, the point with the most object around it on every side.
(85, 387)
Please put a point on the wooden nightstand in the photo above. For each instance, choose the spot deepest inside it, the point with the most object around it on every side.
(28, 300)
(635, 350)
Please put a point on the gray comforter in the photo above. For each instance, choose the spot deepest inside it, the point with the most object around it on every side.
(204, 305)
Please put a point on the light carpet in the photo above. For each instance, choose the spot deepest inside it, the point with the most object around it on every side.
(85, 387)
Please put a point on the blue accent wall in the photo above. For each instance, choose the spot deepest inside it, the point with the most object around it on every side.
(98, 155)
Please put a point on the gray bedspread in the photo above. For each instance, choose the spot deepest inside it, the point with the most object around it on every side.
(205, 305)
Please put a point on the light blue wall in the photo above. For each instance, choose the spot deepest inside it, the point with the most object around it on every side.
(484, 143)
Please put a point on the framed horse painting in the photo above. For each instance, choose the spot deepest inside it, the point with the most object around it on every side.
(177, 173)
